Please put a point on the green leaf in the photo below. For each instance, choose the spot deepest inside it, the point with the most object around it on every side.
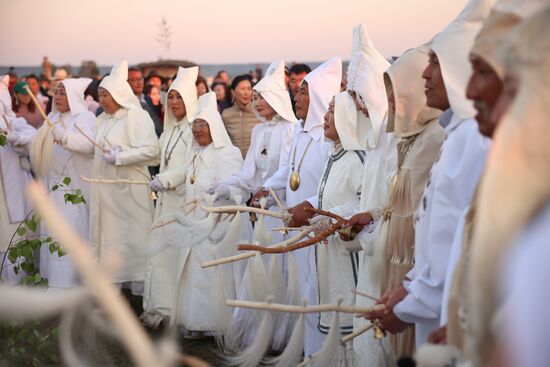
(52, 247)
(13, 255)
(67, 181)
(27, 267)
(32, 225)
(55, 187)
(3, 140)
(21, 231)
(37, 278)
(26, 251)
(78, 192)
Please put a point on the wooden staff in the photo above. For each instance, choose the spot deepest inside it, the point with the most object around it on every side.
(246, 255)
(8, 124)
(249, 209)
(116, 181)
(89, 139)
(38, 106)
(279, 307)
(276, 198)
(362, 294)
(356, 333)
(108, 296)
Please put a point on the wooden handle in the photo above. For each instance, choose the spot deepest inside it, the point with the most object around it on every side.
(38, 106)
(279, 307)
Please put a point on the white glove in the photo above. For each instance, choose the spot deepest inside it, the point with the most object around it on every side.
(13, 138)
(110, 155)
(58, 132)
(156, 185)
(211, 190)
(223, 191)
(320, 223)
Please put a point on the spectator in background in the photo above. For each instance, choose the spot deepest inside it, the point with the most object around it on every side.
(135, 79)
(240, 119)
(287, 77)
(154, 78)
(13, 80)
(297, 73)
(32, 81)
(24, 106)
(202, 86)
(223, 96)
(152, 96)
(44, 84)
(46, 68)
(91, 97)
(222, 77)
(253, 77)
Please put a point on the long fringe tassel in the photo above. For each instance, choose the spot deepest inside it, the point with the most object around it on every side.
(252, 356)
(41, 151)
(378, 266)
(322, 271)
(292, 354)
(327, 354)
(286, 321)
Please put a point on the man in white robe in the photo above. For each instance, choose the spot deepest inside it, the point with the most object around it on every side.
(452, 180)
(302, 173)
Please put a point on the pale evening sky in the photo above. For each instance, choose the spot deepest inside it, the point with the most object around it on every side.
(207, 31)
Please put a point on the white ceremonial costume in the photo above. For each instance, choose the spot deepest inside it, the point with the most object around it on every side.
(175, 144)
(365, 78)
(307, 157)
(195, 309)
(14, 176)
(337, 268)
(122, 213)
(452, 181)
(72, 157)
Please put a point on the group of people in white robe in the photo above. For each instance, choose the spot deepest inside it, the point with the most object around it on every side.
(437, 162)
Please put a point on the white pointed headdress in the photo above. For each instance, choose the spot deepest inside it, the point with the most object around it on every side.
(74, 88)
(117, 85)
(207, 110)
(272, 88)
(184, 84)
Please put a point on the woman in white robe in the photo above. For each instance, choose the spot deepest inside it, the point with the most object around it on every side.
(14, 176)
(213, 158)
(122, 213)
(71, 157)
(175, 143)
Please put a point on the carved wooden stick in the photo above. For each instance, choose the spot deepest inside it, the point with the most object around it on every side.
(276, 198)
(242, 209)
(356, 333)
(279, 307)
(362, 294)
(8, 125)
(38, 106)
(89, 138)
(108, 296)
(115, 181)
(246, 255)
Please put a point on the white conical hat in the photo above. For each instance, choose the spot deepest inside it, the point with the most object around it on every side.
(272, 88)
(405, 78)
(207, 110)
(5, 97)
(116, 83)
(74, 88)
(324, 83)
(345, 121)
(366, 77)
(184, 84)
(452, 47)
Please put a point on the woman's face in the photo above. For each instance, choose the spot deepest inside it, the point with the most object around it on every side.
(60, 98)
(329, 127)
(107, 101)
(23, 98)
(243, 93)
(176, 105)
(220, 92)
(262, 107)
(201, 132)
(201, 89)
(154, 94)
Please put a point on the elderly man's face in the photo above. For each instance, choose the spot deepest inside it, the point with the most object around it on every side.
(302, 101)
(509, 91)
(135, 79)
(484, 89)
(436, 94)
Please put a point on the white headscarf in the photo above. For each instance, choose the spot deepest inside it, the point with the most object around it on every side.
(207, 110)
(323, 84)
(365, 77)
(184, 84)
(272, 88)
(117, 85)
(452, 47)
(345, 121)
(74, 88)
(5, 97)
(405, 78)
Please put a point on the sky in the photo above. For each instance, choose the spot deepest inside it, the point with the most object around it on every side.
(212, 31)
